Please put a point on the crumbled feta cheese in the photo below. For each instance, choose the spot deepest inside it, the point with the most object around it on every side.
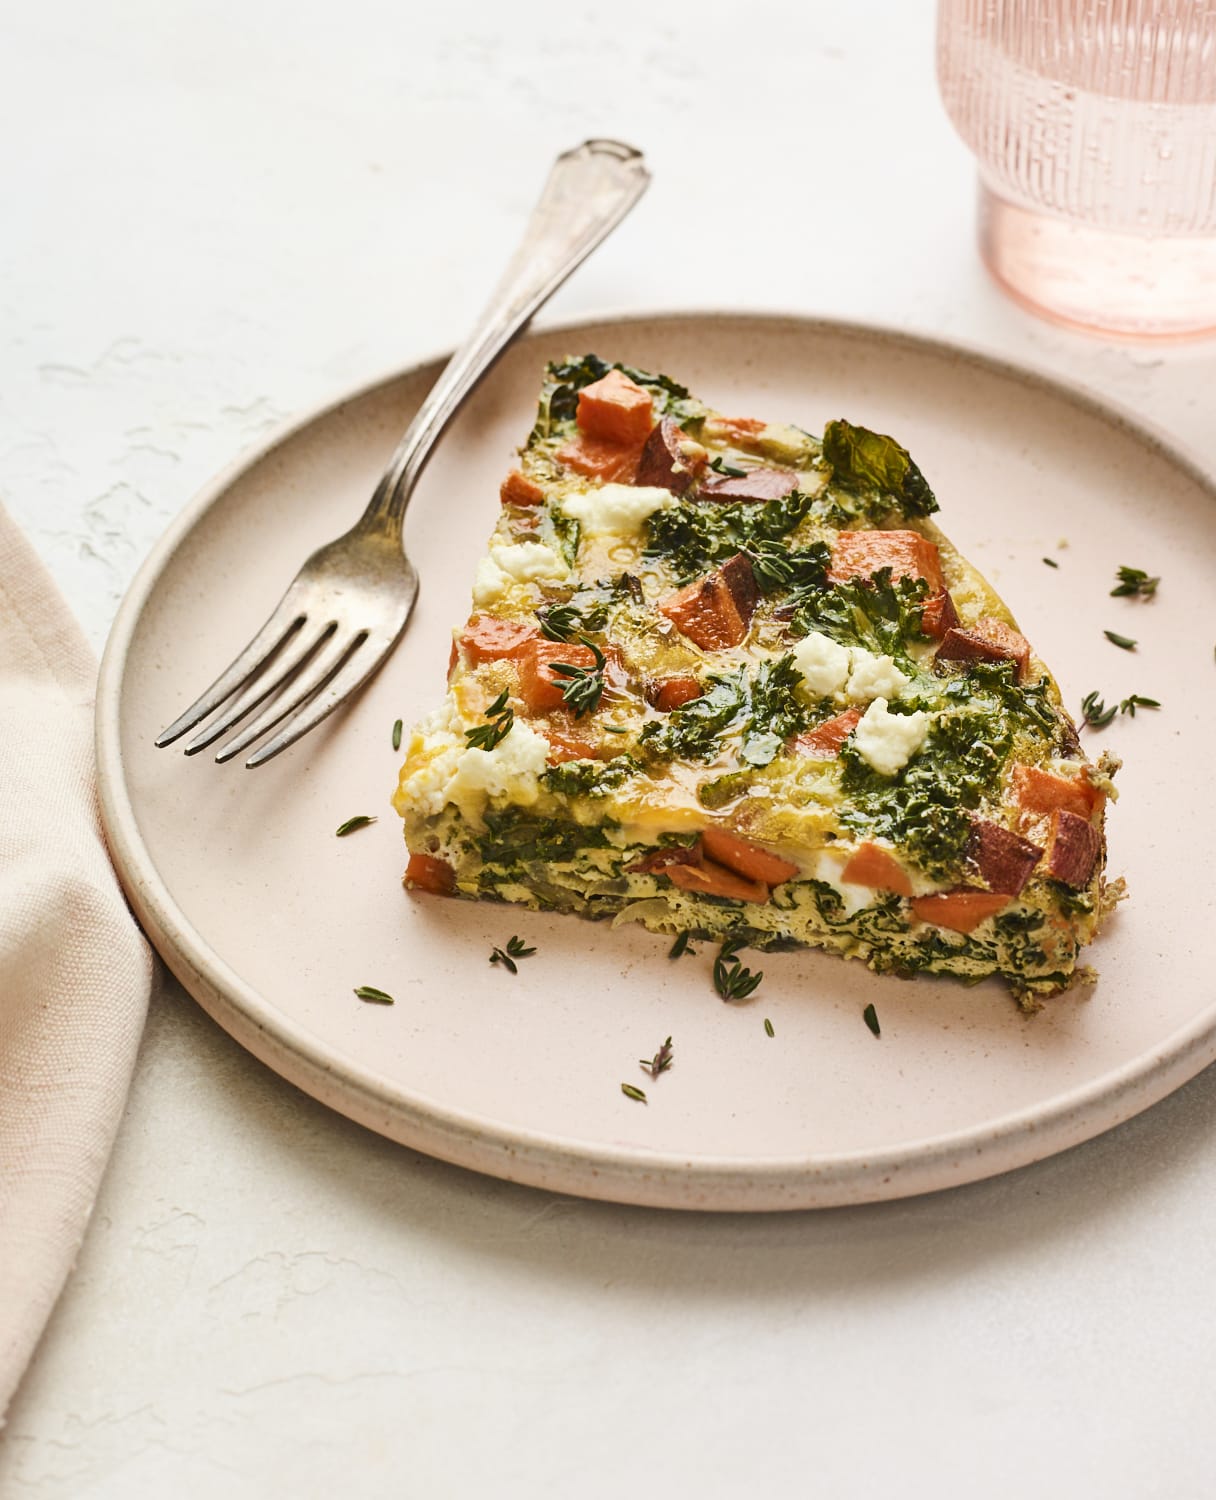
(509, 770)
(886, 741)
(872, 676)
(616, 509)
(524, 562)
(823, 665)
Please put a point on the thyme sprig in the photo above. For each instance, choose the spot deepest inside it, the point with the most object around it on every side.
(500, 717)
(719, 465)
(1134, 583)
(731, 980)
(516, 948)
(660, 1062)
(584, 686)
(1095, 713)
(560, 622)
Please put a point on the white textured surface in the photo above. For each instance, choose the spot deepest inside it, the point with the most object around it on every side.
(215, 216)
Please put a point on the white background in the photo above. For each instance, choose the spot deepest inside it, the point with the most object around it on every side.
(215, 215)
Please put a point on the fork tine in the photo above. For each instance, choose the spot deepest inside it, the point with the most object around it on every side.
(274, 634)
(271, 680)
(356, 669)
(319, 672)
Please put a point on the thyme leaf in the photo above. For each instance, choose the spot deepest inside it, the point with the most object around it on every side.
(1124, 642)
(768, 1027)
(631, 1092)
(360, 821)
(719, 465)
(372, 995)
(500, 717)
(1134, 583)
(1051, 562)
(397, 727)
(680, 946)
(516, 948)
(731, 980)
(584, 685)
(870, 1017)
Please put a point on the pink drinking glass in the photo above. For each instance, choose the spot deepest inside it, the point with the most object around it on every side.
(1093, 123)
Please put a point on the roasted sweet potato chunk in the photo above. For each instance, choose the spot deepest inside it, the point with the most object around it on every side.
(1042, 792)
(1072, 848)
(599, 458)
(752, 861)
(824, 741)
(423, 872)
(518, 489)
(489, 638)
(756, 486)
(670, 459)
(939, 614)
(873, 866)
(986, 640)
(668, 693)
(616, 410)
(861, 554)
(711, 879)
(715, 611)
(961, 910)
(1003, 860)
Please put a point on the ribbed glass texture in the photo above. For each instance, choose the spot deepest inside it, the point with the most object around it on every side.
(1095, 114)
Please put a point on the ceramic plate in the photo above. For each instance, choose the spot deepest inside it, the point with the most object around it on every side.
(270, 921)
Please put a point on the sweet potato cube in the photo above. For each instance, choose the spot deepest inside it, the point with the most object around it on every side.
(877, 868)
(670, 459)
(861, 554)
(961, 910)
(518, 489)
(1041, 792)
(745, 858)
(423, 872)
(824, 741)
(616, 409)
(939, 614)
(715, 611)
(1072, 848)
(1001, 858)
(986, 640)
(599, 458)
(709, 879)
(668, 693)
(489, 638)
(539, 686)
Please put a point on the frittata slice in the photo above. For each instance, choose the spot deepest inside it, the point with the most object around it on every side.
(724, 677)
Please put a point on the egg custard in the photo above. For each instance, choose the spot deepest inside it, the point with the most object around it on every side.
(726, 678)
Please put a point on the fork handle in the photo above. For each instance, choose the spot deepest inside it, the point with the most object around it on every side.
(590, 190)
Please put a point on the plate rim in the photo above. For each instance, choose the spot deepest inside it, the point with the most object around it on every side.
(616, 1172)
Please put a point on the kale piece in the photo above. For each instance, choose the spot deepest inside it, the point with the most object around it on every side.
(565, 379)
(589, 778)
(880, 614)
(865, 462)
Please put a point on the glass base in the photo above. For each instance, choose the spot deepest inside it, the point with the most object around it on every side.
(1137, 287)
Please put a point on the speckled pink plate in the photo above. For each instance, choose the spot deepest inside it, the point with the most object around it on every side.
(270, 921)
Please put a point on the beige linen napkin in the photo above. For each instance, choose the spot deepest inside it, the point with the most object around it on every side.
(74, 970)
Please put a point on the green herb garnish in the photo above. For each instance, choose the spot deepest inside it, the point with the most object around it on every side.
(361, 821)
(560, 622)
(719, 465)
(373, 996)
(1124, 642)
(584, 685)
(680, 946)
(1094, 711)
(1134, 583)
(397, 727)
(731, 980)
(631, 1092)
(1130, 705)
(499, 719)
(660, 1062)
(516, 948)
(768, 1027)
(870, 1017)
(1051, 562)
(863, 461)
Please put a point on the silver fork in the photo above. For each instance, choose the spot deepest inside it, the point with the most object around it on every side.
(348, 605)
